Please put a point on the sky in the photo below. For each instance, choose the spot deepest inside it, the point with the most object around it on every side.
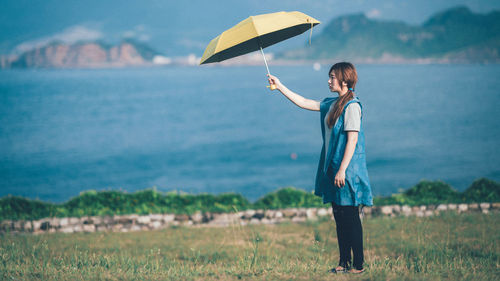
(178, 28)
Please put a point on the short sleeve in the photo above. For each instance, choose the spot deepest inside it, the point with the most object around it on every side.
(352, 117)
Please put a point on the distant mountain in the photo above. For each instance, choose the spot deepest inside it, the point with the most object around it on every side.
(84, 54)
(454, 35)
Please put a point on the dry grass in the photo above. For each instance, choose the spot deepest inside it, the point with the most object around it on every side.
(445, 247)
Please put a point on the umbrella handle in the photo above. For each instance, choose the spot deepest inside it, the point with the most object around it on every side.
(272, 87)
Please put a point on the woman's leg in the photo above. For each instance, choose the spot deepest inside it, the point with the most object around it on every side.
(355, 239)
(344, 248)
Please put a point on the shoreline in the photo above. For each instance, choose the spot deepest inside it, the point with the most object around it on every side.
(254, 60)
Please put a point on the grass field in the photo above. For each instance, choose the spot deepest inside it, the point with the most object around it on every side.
(444, 247)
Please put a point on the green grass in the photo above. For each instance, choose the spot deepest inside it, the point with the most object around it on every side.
(443, 247)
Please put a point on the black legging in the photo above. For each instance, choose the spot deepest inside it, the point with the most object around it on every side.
(349, 234)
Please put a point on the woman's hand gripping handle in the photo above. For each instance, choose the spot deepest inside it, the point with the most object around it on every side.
(273, 81)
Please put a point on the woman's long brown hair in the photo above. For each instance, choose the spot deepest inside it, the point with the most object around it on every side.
(344, 72)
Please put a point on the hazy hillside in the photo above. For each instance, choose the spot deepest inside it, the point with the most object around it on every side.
(84, 54)
(454, 35)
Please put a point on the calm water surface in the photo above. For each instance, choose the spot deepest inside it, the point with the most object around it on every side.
(218, 129)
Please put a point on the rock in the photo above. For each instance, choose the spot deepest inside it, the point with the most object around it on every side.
(96, 220)
(155, 225)
(107, 220)
(88, 228)
(423, 207)
(419, 213)
(197, 217)
(288, 213)
(428, 213)
(63, 222)
(299, 219)
(135, 227)
(386, 210)
(28, 226)
(181, 217)
(117, 227)
(278, 215)
(156, 217)
(86, 220)
(54, 223)
(36, 225)
(311, 214)
(495, 206)
(77, 228)
(452, 207)
(431, 207)
(322, 212)
(143, 220)
(73, 221)
(103, 227)
(67, 229)
(122, 219)
(474, 207)
(269, 214)
(485, 207)
(248, 214)
(442, 207)
(168, 218)
(254, 221)
(266, 221)
(406, 210)
(224, 219)
(18, 225)
(302, 212)
(463, 208)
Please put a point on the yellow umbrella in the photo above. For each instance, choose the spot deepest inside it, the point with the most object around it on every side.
(256, 33)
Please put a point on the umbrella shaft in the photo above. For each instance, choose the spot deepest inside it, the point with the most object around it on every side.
(265, 61)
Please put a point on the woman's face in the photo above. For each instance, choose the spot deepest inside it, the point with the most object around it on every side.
(333, 83)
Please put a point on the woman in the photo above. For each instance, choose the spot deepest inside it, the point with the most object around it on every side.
(342, 177)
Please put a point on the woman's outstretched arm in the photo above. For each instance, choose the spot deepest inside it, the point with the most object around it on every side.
(297, 99)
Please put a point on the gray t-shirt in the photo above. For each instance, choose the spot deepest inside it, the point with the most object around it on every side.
(352, 122)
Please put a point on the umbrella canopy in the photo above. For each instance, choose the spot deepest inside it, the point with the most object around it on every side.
(256, 33)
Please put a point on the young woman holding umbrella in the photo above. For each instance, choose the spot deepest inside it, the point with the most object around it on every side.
(342, 177)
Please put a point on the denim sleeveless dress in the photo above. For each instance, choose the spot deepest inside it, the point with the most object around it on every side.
(357, 190)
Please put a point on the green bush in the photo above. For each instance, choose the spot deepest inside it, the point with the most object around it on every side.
(430, 192)
(482, 190)
(424, 193)
(288, 197)
(92, 203)
(17, 208)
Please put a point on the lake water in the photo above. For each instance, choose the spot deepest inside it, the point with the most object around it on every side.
(219, 129)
